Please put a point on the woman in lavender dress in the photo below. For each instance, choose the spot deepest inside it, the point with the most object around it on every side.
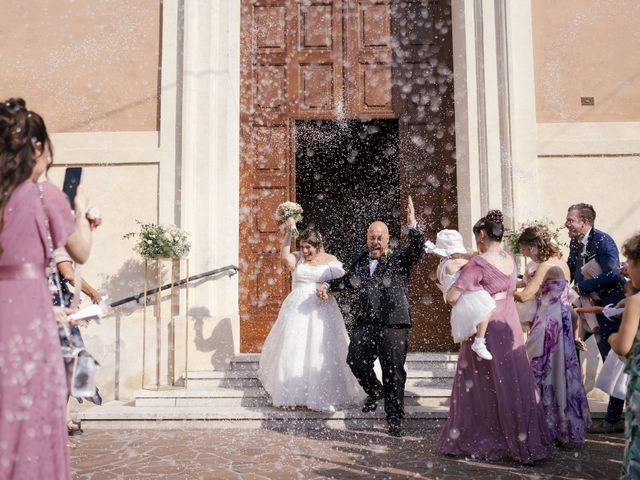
(550, 345)
(33, 390)
(495, 412)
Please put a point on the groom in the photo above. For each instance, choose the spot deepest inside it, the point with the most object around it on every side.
(379, 280)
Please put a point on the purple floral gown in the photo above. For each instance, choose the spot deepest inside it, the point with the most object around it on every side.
(555, 367)
(495, 411)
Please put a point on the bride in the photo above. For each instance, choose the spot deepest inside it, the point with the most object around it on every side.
(304, 358)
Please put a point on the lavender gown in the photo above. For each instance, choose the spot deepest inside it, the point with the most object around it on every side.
(555, 366)
(33, 390)
(495, 412)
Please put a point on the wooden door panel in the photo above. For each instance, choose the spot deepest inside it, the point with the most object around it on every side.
(271, 148)
(375, 24)
(270, 27)
(270, 87)
(317, 85)
(315, 58)
(271, 281)
(374, 81)
(316, 25)
(369, 57)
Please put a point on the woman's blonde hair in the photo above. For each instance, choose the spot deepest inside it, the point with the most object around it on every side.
(543, 241)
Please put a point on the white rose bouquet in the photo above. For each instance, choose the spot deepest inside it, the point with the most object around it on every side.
(288, 210)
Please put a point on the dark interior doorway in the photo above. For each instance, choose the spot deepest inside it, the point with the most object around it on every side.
(347, 176)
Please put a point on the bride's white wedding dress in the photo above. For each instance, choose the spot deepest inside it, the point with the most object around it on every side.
(304, 358)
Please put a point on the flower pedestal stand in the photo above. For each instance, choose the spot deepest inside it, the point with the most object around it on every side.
(164, 337)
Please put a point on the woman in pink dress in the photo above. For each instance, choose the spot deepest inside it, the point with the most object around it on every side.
(33, 390)
(495, 412)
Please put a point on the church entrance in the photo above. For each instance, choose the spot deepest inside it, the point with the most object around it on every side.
(375, 77)
(347, 176)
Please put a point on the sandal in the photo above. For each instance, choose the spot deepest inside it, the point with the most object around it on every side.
(580, 345)
(73, 428)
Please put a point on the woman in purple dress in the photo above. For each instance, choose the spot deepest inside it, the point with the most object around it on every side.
(495, 412)
(33, 390)
(550, 345)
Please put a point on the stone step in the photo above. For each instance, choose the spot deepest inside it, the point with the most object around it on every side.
(248, 379)
(415, 362)
(411, 357)
(118, 414)
(257, 397)
(444, 368)
(125, 415)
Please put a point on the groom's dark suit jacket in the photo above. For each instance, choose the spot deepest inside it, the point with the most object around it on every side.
(381, 299)
(609, 284)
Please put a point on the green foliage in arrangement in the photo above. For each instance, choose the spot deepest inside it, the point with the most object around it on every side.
(511, 237)
(164, 241)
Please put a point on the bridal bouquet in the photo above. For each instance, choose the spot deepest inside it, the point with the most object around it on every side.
(166, 241)
(511, 236)
(289, 210)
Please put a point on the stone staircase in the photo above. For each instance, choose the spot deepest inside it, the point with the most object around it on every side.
(235, 398)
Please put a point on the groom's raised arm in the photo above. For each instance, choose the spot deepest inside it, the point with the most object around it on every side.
(414, 250)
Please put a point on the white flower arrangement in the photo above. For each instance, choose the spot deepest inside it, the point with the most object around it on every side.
(160, 241)
(511, 236)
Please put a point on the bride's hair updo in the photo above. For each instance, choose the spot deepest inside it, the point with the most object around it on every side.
(312, 237)
(541, 242)
(492, 224)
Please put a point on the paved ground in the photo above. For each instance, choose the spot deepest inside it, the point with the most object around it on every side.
(314, 454)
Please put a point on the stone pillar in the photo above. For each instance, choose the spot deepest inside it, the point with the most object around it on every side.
(495, 110)
(209, 173)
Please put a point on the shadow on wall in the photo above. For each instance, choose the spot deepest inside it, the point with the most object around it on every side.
(219, 342)
(129, 280)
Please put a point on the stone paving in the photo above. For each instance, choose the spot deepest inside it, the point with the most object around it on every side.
(302, 453)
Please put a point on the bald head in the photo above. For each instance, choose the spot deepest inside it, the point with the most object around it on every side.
(377, 239)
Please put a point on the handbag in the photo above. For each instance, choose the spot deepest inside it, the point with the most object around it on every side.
(83, 376)
(612, 378)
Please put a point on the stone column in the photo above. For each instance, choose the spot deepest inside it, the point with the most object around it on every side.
(495, 110)
(209, 183)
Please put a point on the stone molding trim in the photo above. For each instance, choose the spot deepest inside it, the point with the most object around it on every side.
(105, 148)
(594, 139)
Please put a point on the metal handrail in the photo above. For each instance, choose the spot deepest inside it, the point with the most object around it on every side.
(140, 295)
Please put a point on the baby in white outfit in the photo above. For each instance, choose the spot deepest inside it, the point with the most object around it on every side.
(470, 314)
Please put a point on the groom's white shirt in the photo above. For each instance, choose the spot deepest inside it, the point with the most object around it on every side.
(373, 263)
